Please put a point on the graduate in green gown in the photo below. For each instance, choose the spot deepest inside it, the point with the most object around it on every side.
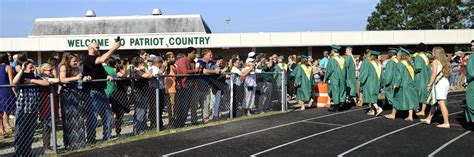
(405, 95)
(421, 65)
(336, 79)
(364, 64)
(388, 74)
(369, 78)
(469, 113)
(304, 82)
(279, 68)
(350, 72)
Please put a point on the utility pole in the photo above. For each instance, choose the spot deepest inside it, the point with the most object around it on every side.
(227, 20)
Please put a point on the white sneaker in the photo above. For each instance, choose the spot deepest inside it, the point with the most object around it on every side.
(379, 111)
(371, 113)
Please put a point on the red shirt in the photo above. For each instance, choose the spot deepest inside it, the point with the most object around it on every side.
(184, 66)
(462, 67)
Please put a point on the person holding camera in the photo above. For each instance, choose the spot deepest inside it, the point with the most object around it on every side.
(141, 76)
(99, 103)
(265, 81)
(170, 83)
(218, 83)
(157, 69)
(248, 77)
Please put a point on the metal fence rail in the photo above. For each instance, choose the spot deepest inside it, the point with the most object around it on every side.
(85, 113)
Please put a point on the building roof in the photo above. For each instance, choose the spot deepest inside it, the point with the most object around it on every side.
(164, 24)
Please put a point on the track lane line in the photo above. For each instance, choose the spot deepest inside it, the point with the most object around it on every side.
(448, 143)
(322, 123)
(262, 130)
(313, 135)
(385, 135)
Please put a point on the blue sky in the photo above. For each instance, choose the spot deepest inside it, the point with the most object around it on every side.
(17, 16)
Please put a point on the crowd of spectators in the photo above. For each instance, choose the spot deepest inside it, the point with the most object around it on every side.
(106, 86)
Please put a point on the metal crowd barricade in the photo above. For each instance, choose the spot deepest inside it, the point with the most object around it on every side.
(84, 113)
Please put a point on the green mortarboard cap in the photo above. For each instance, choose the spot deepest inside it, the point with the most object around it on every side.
(349, 47)
(404, 51)
(303, 58)
(335, 47)
(375, 53)
(429, 53)
(281, 57)
(394, 50)
(260, 56)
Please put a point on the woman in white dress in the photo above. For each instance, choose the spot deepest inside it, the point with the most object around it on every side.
(439, 86)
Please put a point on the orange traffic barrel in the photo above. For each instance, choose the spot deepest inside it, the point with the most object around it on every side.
(321, 95)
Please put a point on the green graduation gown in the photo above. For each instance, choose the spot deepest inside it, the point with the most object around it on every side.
(304, 84)
(387, 79)
(362, 67)
(337, 81)
(350, 72)
(405, 94)
(469, 113)
(422, 77)
(370, 82)
(280, 67)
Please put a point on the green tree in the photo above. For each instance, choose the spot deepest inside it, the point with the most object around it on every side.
(421, 14)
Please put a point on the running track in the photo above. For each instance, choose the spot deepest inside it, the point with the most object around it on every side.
(313, 132)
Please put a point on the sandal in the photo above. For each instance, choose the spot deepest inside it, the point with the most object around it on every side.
(388, 116)
(302, 108)
(445, 126)
(409, 119)
(420, 114)
(425, 121)
(8, 130)
(3, 134)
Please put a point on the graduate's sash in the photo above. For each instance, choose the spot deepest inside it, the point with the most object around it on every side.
(432, 94)
(282, 66)
(423, 56)
(340, 61)
(395, 60)
(377, 67)
(409, 68)
(352, 57)
(307, 71)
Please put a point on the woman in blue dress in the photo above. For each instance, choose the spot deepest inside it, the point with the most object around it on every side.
(7, 98)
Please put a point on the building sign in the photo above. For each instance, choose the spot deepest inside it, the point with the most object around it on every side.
(137, 42)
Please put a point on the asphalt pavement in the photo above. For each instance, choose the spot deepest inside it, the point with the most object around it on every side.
(313, 132)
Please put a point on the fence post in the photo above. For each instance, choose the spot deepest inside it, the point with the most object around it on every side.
(283, 95)
(285, 87)
(53, 118)
(231, 96)
(157, 106)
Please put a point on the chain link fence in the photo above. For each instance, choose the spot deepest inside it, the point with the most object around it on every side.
(85, 113)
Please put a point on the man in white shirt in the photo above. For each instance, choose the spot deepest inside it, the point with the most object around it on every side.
(250, 85)
(157, 69)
